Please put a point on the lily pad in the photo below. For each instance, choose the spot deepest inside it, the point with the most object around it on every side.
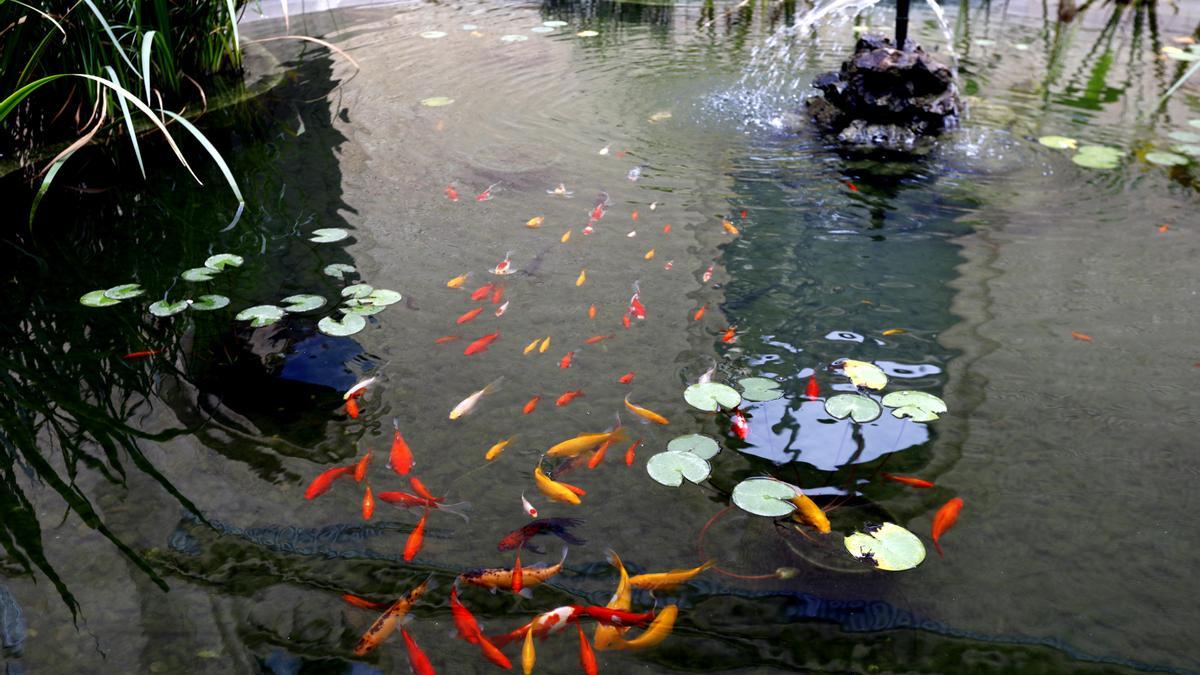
(554, 24)
(162, 308)
(198, 274)
(1194, 123)
(436, 101)
(336, 270)
(760, 389)
(124, 291)
(857, 407)
(97, 299)
(918, 405)
(541, 29)
(671, 467)
(1166, 159)
(357, 291)
(864, 374)
(349, 325)
(1187, 149)
(302, 303)
(587, 33)
(433, 34)
(712, 396)
(1184, 136)
(984, 42)
(698, 444)
(328, 235)
(362, 308)
(260, 315)
(1059, 142)
(764, 497)
(220, 261)
(1096, 160)
(382, 297)
(889, 547)
(514, 37)
(207, 303)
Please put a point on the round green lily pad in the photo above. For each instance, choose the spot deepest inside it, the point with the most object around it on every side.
(260, 315)
(207, 303)
(1184, 136)
(554, 24)
(863, 374)
(857, 407)
(1194, 123)
(514, 38)
(348, 325)
(222, 260)
(1059, 142)
(587, 33)
(760, 389)
(1187, 149)
(888, 547)
(433, 34)
(302, 303)
(162, 308)
(328, 235)
(984, 42)
(198, 274)
(124, 291)
(362, 308)
(1098, 157)
(1166, 159)
(541, 29)
(671, 467)
(336, 270)
(436, 101)
(764, 497)
(357, 291)
(382, 297)
(918, 405)
(712, 396)
(698, 444)
(97, 299)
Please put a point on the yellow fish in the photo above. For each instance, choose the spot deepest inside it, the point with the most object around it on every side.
(585, 442)
(663, 581)
(545, 345)
(605, 636)
(535, 222)
(645, 413)
(533, 345)
(729, 227)
(496, 449)
(566, 236)
(649, 255)
(809, 513)
(582, 278)
(894, 331)
(528, 656)
(553, 489)
(658, 631)
(458, 281)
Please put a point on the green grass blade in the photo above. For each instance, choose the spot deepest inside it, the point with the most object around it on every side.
(237, 46)
(1179, 83)
(111, 36)
(14, 99)
(137, 150)
(37, 199)
(216, 155)
(43, 15)
(147, 45)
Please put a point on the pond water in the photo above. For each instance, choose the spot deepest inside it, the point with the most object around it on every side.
(154, 511)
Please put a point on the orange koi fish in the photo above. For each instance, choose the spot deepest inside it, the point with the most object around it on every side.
(504, 267)
(587, 657)
(621, 600)
(730, 335)
(482, 292)
(447, 338)
(598, 456)
(911, 481)
(499, 577)
(419, 488)
(598, 338)
(416, 658)
(535, 222)
(809, 513)
(451, 193)
(812, 391)
(626, 378)
(629, 454)
(645, 413)
(658, 631)
(1082, 337)
(401, 457)
(553, 489)
(386, 623)
(142, 354)
(352, 408)
(468, 315)
(704, 278)
(568, 397)
(649, 255)
(458, 281)
(741, 428)
(730, 228)
(944, 519)
(416, 539)
(322, 483)
(700, 312)
(581, 278)
(625, 321)
(496, 449)
(566, 360)
(364, 603)
(635, 214)
(360, 467)
(591, 311)
(527, 507)
(667, 228)
(517, 581)
(368, 504)
(481, 344)
(531, 405)
(664, 581)
(497, 294)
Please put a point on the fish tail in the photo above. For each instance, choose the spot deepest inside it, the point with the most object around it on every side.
(938, 546)
(558, 527)
(563, 559)
(493, 386)
(457, 509)
(396, 423)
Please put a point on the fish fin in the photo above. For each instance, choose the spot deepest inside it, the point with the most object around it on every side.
(405, 620)
(534, 549)
(526, 593)
(613, 558)
(563, 559)
(493, 386)
(457, 509)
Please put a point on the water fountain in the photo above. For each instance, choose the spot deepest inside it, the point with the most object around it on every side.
(889, 94)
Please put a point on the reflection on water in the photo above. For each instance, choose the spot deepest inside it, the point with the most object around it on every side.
(959, 274)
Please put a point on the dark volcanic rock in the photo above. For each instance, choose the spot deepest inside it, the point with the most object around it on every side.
(886, 97)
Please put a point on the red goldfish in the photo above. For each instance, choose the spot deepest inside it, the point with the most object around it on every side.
(629, 454)
(911, 481)
(467, 316)
(700, 312)
(587, 657)
(486, 194)
(416, 658)
(591, 311)
(482, 292)
(352, 408)
(451, 193)
(447, 338)
(626, 378)
(417, 539)
(419, 488)
(741, 428)
(363, 602)
(322, 483)
(812, 391)
(598, 338)
(401, 458)
(142, 354)
(730, 335)
(531, 405)
(566, 360)
(568, 397)
(497, 294)
(944, 519)
(368, 504)
(481, 344)
(360, 467)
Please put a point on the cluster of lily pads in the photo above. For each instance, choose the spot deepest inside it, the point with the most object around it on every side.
(1187, 146)
(215, 264)
(887, 546)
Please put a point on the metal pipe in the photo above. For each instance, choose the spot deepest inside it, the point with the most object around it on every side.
(901, 23)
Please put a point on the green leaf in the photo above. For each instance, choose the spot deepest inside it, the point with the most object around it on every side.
(162, 308)
(712, 396)
(207, 303)
(560, 24)
(361, 308)
(328, 235)
(197, 274)
(863, 374)
(436, 101)
(513, 37)
(857, 407)
(671, 467)
(1166, 159)
(129, 126)
(760, 389)
(765, 497)
(349, 325)
(918, 405)
(357, 291)
(433, 34)
(220, 261)
(124, 291)
(381, 297)
(1184, 136)
(698, 444)
(97, 299)
(888, 547)
(1059, 142)
(1194, 123)
(336, 270)
(302, 303)
(260, 315)
(1096, 160)
(1188, 149)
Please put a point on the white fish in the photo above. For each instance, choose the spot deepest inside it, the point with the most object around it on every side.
(707, 375)
(632, 234)
(653, 205)
(560, 191)
(505, 267)
(529, 510)
(468, 404)
(707, 274)
(604, 150)
(357, 388)
(502, 309)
